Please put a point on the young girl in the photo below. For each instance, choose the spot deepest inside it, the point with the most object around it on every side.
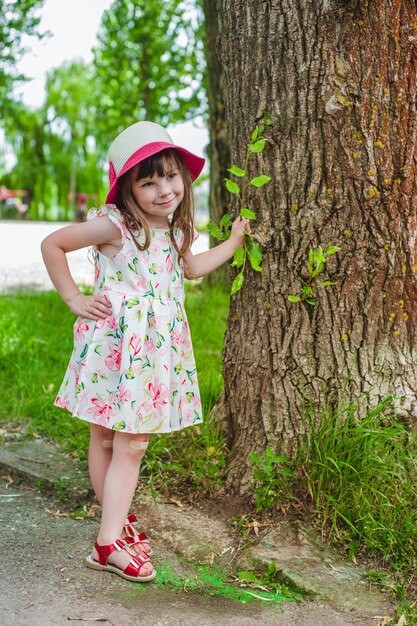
(132, 371)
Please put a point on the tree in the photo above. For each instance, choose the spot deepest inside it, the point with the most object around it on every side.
(72, 104)
(218, 149)
(339, 81)
(149, 64)
(17, 18)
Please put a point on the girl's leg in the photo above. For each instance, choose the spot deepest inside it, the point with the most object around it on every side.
(119, 487)
(99, 457)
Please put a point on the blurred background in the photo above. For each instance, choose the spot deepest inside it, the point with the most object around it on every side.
(73, 74)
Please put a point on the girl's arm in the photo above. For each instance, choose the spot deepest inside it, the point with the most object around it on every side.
(198, 265)
(98, 231)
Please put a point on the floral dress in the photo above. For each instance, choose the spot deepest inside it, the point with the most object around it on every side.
(134, 371)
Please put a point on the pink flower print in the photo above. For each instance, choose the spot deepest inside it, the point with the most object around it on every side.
(124, 230)
(160, 268)
(100, 322)
(168, 263)
(153, 250)
(186, 341)
(150, 345)
(128, 256)
(159, 396)
(176, 337)
(144, 409)
(96, 270)
(81, 327)
(112, 322)
(114, 358)
(124, 395)
(139, 284)
(135, 344)
(189, 417)
(63, 403)
(101, 411)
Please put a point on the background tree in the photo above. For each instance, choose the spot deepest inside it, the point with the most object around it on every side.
(218, 149)
(149, 65)
(339, 81)
(17, 18)
(72, 105)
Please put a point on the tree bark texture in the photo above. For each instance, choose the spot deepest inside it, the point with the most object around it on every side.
(339, 81)
(218, 149)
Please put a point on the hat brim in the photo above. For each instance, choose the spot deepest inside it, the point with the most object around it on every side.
(193, 163)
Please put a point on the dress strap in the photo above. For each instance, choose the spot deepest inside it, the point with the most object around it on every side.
(113, 214)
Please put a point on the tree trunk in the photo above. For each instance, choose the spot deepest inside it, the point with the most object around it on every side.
(218, 149)
(339, 81)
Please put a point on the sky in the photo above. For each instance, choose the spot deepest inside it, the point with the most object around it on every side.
(73, 25)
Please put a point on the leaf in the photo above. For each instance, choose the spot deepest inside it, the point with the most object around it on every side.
(232, 186)
(255, 134)
(246, 577)
(258, 146)
(237, 171)
(239, 257)
(327, 283)
(254, 250)
(214, 231)
(225, 221)
(260, 181)
(237, 283)
(332, 250)
(254, 264)
(294, 298)
(248, 213)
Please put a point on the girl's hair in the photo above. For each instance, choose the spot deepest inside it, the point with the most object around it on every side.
(135, 219)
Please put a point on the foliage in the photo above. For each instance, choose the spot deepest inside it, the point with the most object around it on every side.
(250, 248)
(17, 18)
(361, 476)
(149, 64)
(271, 474)
(317, 259)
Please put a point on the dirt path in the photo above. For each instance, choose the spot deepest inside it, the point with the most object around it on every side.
(44, 581)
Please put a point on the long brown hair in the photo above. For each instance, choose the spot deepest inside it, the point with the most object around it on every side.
(135, 219)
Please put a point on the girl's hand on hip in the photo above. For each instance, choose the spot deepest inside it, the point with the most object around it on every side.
(91, 307)
(240, 226)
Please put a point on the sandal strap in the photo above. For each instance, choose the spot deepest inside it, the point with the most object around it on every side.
(131, 519)
(134, 567)
(105, 551)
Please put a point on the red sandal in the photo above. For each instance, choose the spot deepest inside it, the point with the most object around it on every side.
(133, 537)
(131, 572)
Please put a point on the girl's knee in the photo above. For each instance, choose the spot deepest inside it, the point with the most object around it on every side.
(103, 435)
(133, 446)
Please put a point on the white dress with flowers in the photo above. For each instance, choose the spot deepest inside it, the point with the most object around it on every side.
(135, 371)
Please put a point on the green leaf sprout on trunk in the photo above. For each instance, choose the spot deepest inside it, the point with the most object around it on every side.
(250, 249)
(316, 261)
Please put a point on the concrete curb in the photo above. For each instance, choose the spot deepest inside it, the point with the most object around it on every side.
(41, 465)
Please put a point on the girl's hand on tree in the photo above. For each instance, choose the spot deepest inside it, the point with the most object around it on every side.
(91, 307)
(240, 226)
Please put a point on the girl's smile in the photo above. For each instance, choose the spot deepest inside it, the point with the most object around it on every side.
(158, 196)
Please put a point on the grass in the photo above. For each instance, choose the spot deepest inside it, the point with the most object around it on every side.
(358, 472)
(361, 476)
(36, 331)
(211, 581)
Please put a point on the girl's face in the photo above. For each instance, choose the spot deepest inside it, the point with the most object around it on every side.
(158, 196)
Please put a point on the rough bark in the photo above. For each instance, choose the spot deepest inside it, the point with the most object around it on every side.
(218, 149)
(339, 81)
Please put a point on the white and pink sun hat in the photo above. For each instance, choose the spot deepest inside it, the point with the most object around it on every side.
(138, 142)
